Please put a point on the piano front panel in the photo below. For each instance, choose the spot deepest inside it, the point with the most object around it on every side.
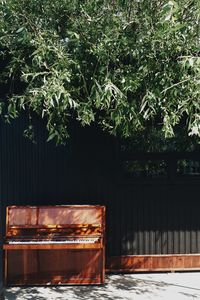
(30, 267)
(21, 216)
(69, 215)
(53, 215)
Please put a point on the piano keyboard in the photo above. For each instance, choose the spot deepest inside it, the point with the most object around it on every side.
(66, 241)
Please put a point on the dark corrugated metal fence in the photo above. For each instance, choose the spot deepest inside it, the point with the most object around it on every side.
(1, 251)
(160, 217)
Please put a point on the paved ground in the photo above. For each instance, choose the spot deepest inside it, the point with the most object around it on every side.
(159, 286)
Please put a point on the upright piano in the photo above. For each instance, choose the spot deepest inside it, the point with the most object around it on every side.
(50, 245)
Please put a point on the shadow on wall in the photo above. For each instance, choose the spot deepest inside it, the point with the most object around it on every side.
(1, 252)
(121, 287)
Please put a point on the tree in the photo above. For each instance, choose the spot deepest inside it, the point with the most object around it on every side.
(126, 65)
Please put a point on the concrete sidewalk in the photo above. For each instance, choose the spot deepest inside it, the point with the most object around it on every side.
(164, 286)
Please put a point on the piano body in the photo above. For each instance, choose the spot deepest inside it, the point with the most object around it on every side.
(50, 245)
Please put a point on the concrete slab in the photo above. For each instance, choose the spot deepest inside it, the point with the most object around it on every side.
(157, 286)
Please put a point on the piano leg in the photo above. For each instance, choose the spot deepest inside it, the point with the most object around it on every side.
(103, 266)
(25, 265)
(5, 266)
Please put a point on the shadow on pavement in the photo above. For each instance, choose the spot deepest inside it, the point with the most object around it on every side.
(116, 287)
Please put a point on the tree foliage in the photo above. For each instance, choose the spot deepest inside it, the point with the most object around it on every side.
(126, 65)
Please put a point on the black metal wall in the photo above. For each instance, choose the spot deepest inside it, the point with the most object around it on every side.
(1, 252)
(156, 219)
(142, 217)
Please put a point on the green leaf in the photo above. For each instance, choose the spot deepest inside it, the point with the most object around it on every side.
(51, 136)
(20, 30)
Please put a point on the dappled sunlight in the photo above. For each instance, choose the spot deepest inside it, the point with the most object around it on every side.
(126, 287)
(55, 215)
(62, 215)
(22, 216)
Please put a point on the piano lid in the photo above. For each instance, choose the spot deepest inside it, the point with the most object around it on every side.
(53, 216)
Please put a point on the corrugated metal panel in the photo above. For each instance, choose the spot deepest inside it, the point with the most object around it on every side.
(1, 233)
(1, 253)
(141, 218)
(157, 220)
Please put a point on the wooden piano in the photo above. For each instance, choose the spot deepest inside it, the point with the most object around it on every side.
(50, 245)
